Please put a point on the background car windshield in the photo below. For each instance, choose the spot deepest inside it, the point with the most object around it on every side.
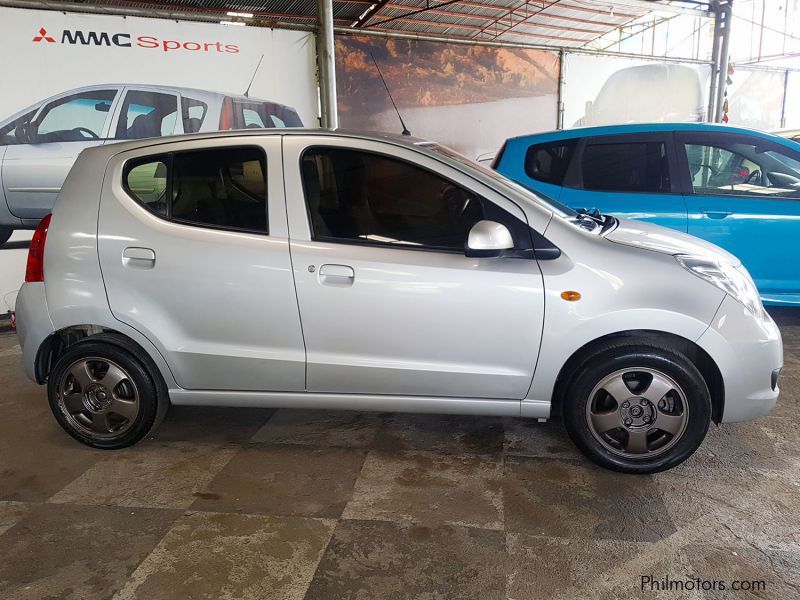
(559, 208)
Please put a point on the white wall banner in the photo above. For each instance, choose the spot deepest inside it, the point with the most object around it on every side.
(604, 90)
(49, 52)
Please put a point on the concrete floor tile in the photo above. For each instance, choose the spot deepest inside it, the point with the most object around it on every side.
(210, 425)
(212, 555)
(148, 475)
(77, 552)
(579, 500)
(320, 428)
(284, 480)
(451, 434)
(547, 567)
(429, 489)
(528, 437)
(372, 560)
(11, 512)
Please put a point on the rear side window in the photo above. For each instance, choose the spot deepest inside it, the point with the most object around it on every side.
(548, 162)
(219, 188)
(193, 113)
(626, 167)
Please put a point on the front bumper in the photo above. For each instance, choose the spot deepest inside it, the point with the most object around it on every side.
(747, 351)
(33, 324)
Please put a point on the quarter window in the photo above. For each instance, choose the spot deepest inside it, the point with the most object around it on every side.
(743, 168)
(220, 188)
(360, 197)
(147, 114)
(548, 162)
(76, 118)
(626, 167)
(193, 113)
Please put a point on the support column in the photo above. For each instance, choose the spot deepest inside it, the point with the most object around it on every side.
(725, 13)
(326, 65)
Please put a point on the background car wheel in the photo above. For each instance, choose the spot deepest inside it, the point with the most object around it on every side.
(637, 408)
(5, 233)
(104, 396)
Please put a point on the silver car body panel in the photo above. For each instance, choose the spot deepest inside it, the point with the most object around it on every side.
(400, 361)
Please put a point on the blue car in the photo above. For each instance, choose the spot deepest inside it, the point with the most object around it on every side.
(737, 188)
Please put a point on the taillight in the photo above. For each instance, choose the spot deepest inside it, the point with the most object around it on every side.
(35, 269)
(226, 116)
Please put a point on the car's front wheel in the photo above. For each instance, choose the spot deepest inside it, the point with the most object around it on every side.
(104, 396)
(637, 408)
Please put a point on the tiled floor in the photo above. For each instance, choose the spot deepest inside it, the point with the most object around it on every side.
(323, 505)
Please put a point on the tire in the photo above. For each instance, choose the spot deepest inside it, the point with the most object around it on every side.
(5, 233)
(636, 428)
(105, 396)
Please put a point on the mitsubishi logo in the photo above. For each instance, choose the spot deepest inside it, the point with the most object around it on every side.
(43, 37)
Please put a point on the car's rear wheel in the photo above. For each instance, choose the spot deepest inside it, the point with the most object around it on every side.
(104, 396)
(5, 233)
(637, 408)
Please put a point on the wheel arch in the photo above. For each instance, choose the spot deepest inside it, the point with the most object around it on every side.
(701, 359)
(54, 345)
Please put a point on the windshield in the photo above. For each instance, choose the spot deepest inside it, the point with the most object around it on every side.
(562, 209)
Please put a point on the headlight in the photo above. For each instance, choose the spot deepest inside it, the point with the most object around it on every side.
(732, 280)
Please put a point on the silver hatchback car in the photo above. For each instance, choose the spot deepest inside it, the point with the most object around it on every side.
(334, 270)
(39, 144)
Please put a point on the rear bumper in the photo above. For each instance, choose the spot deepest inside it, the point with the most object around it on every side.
(33, 324)
(747, 351)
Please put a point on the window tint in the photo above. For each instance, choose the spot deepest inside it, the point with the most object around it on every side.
(18, 131)
(221, 188)
(548, 162)
(362, 197)
(147, 114)
(193, 113)
(743, 168)
(626, 167)
(146, 181)
(224, 187)
(78, 117)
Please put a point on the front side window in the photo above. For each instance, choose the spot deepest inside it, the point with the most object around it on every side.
(219, 188)
(743, 168)
(147, 114)
(361, 197)
(548, 162)
(626, 167)
(76, 118)
(18, 131)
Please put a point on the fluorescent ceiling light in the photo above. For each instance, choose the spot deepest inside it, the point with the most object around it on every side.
(232, 23)
(243, 15)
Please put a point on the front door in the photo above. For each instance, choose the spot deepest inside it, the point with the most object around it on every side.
(389, 302)
(34, 170)
(631, 176)
(194, 253)
(743, 194)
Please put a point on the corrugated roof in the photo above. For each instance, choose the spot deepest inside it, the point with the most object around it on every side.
(562, 23)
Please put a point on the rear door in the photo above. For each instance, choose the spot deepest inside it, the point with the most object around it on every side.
(33, 171)
(194, 252)
(743, 194)
(633, 176)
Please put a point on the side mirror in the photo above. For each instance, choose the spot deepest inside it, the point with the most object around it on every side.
(488, 238)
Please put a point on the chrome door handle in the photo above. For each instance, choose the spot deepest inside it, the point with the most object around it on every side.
(336, 274)
(138, 258)
(716, 214)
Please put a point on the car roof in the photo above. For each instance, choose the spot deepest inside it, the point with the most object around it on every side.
(119, 147)
(592, 131)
